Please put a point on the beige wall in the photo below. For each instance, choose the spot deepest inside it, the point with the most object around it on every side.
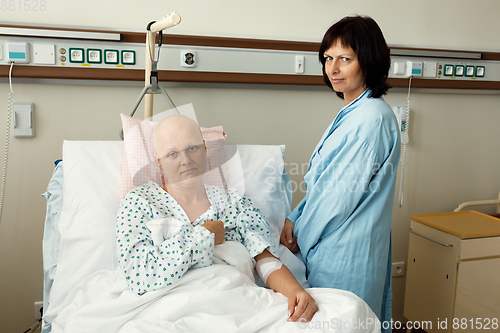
(454, 140)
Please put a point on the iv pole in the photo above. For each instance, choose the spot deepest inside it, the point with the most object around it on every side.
(154, 27)
(151, 82)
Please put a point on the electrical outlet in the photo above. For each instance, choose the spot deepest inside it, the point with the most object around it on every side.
(38, 310)
(76, 55)
(398, 268)
(128, 57)
(111, 56)
(94, 56)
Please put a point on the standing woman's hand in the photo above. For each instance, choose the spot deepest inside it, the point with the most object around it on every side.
(287, 238)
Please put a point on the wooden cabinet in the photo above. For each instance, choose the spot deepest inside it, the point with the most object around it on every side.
(453, 277)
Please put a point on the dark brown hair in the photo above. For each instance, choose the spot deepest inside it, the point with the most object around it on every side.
(364, 36)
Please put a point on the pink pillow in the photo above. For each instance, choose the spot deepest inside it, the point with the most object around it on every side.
(140, 166)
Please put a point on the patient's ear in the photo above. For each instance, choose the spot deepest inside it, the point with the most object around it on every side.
(158, 160)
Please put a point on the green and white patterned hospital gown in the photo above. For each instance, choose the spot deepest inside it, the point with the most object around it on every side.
(148, 266)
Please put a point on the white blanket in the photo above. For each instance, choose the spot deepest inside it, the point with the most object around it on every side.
(218, 298)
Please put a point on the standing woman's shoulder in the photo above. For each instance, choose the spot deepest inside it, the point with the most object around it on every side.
(377, 125)
(378, 108)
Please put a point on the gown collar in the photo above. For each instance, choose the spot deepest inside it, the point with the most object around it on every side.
(358, 100)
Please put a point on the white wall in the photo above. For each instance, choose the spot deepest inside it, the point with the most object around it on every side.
(454, 141)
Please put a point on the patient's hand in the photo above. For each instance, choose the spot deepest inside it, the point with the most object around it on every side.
(301, 306)
(217, 228)
(287, 238)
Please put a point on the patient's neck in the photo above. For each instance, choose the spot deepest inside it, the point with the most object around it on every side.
(186, 190)
(191, 196)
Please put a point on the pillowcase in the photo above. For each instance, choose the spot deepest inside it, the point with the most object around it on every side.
(140, 166)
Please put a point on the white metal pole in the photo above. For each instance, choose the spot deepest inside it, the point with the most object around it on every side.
(166, 22)
(150, 54)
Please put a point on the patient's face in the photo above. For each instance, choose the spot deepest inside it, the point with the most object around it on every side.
(181, 151)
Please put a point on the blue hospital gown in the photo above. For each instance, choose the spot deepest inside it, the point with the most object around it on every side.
(343, 224)
(148, 266)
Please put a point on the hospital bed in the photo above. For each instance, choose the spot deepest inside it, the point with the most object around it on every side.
(84, 290)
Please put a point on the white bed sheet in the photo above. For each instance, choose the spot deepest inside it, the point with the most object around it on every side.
(219, 298)
(89, 293)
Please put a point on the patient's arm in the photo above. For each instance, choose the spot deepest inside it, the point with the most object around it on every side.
(300, 304)
(256, 237)
(148, 266)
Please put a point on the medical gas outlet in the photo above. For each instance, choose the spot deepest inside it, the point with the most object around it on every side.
(189, 58)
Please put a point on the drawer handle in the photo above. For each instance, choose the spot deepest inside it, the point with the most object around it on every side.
(435, 241)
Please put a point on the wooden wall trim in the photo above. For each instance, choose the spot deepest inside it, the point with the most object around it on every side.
(46, 72)
(444, 84)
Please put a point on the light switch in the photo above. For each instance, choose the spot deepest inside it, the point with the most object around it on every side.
(299, 64)
(22, 115)
(44, 54)
(459, 70)
(399, 68)
(1, 52)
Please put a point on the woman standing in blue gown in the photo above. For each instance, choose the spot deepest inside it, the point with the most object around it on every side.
(343, 225)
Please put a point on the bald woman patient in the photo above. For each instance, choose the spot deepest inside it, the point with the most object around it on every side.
(208, 216)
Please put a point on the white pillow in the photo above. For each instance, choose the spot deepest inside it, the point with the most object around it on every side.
(257, 171)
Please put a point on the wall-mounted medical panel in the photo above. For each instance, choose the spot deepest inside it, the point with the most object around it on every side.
(230, 60)
(78, 54)
(448, 69)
